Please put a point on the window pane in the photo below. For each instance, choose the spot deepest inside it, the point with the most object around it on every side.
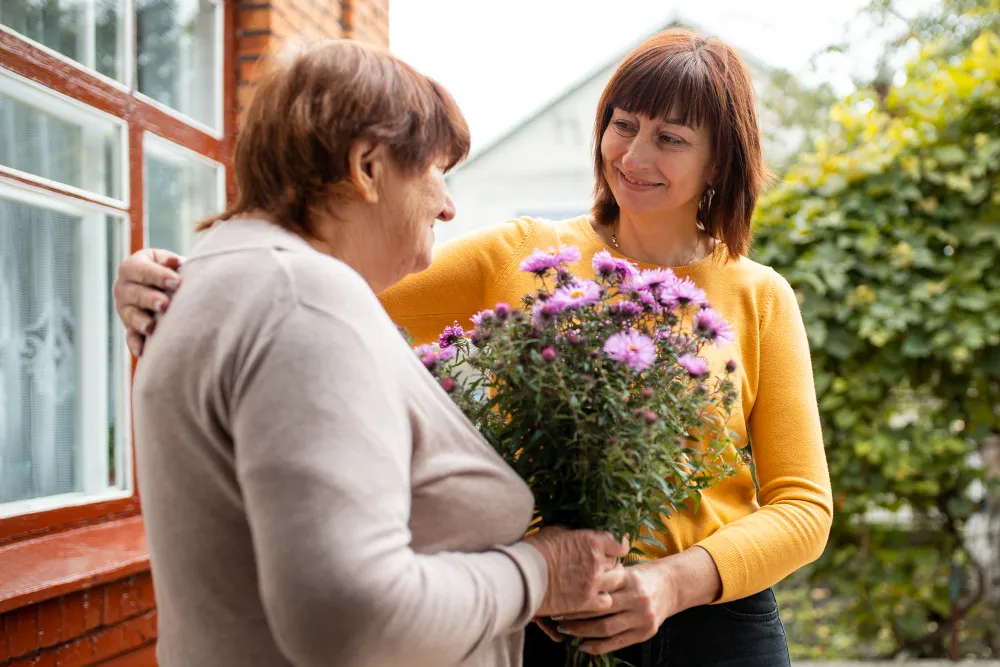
(60, 351)
(90, 32)
(47, 136)
(181, 190)
(177, 49)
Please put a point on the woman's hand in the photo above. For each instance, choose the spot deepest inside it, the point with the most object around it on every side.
(652, 593)
(145, 281)
(583, 570)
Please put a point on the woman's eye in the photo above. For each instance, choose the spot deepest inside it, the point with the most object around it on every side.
(667, 139)
(622, 125)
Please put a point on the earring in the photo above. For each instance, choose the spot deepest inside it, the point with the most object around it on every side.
(705, 205)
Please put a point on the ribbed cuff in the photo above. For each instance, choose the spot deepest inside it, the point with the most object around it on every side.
(534, 573)
(731, 565)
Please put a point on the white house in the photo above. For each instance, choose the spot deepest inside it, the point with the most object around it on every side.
(543, 166)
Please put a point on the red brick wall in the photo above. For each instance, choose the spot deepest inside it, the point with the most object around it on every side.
(113, 624)
(264, 26)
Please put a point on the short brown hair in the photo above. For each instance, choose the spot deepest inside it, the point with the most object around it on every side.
(705, 83)
(310, 106)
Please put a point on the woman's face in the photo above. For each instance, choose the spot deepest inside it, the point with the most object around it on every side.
(655, 166)
(412, 204)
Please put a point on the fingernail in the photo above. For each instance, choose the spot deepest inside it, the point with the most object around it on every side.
(171, 283)
(563, 630)
(586, 649)
(159, 306)
(144, 328)
(135, 350)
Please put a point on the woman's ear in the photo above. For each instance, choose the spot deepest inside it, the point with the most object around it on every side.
(367, 168)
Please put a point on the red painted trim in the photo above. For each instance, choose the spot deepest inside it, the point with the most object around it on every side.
(35, 570)
(29, 526)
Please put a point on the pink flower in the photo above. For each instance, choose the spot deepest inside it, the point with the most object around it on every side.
(431, 355)
(635, 350)
(711, 326)
(578, 294)
(626, 309)
(607, 266)
(549, 354)
(649, 301)
(448, 384)
(546, 311)
(451, 335)
(695, 366)
(541, 261)
(657, 277)
(684, 292)
(502, 310)
(483, 317)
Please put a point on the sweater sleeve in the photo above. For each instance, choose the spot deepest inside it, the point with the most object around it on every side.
(459, 282)
(323, 450)
(793, 523)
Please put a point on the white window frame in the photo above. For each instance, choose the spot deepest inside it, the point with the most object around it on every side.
(168, 151)
(93, 468)
(72, 111)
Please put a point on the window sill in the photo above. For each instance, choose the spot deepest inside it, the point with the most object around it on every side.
(46, 567)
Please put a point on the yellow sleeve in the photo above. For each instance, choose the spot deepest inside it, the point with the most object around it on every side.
(460, 282)
(792, 526)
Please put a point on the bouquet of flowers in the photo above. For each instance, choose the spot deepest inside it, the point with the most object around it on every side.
(596, 392)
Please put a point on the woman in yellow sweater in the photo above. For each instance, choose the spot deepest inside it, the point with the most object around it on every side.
(678, 167)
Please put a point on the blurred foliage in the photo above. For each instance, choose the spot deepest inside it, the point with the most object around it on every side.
(889, 230)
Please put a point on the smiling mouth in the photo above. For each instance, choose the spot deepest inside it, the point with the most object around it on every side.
(637, 181)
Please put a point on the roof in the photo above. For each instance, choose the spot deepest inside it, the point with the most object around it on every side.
(676, 22)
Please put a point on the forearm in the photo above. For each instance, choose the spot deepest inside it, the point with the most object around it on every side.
(691, 578)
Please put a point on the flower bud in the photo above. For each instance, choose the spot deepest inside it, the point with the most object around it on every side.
(549, 354)
(731, 366)
(448, 384)
(650, 417)
(502, 310)
(574, 338)
(647, 393)
(594, 353)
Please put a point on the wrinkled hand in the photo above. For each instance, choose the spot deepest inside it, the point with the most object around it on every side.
(583, 569)
(146, 279)
(637, 610)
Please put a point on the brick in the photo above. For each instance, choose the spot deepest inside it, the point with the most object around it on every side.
(47, 659)
(50, 622)
(256, 44)
(248, 71)
(92, 608)
(76, 653)
(243, 96)
(21, 628)
(144, 656)
(253, 19)
(4, 651)
(73, 621)
(144, 591)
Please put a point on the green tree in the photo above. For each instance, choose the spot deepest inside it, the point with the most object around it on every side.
(889, 230)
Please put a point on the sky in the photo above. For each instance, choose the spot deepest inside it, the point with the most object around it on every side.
(502, 60)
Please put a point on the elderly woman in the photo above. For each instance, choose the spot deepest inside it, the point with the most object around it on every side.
(311, 495)
(678, 170)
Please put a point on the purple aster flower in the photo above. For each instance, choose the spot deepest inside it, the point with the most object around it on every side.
(482, 317)
(684, 292)
(431, 355)
(657, 277)
(451, 335)
(546, 311)
(695, 366)
(578, 294)
(541, 261)
(604, 264)
(711, 326)
(502, 310)
(626, 309)
(649, 301)
(635, 350)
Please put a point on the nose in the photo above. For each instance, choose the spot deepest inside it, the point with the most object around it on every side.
(635, 158)
(447, 213)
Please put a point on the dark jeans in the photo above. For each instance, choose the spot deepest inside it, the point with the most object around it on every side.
(742, 633)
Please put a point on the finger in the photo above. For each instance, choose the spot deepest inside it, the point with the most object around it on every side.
(550, 630)
(600, 628)
(615, 548)
(613, 580)
(137, 322)
(143, 297)
(166, 258)
(143, 269)
(135, 342)
(616, 643)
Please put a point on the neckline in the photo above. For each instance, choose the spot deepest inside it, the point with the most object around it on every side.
(693, 267)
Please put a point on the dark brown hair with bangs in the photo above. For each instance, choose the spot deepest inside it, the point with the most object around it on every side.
(701, 82)
(308, 109)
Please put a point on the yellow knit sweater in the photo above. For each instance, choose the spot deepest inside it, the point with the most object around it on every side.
(756, 538)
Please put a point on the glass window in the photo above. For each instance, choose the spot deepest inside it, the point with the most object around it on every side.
(178, 56)
(62, 363)
(91, 32)
(45, 135)
(182, 188)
